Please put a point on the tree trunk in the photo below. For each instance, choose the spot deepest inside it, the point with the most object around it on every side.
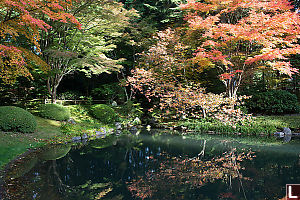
(232, 85)
(52, 85)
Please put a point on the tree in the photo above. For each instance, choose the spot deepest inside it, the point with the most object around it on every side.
(162, 76)
(237, 36)
(67, 49)
(25, 19)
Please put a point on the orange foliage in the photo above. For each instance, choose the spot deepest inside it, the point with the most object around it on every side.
(161, 76)
(180, 171)
(25, 18)
(240, 34)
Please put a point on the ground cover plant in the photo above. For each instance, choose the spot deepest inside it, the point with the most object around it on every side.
(53, 111)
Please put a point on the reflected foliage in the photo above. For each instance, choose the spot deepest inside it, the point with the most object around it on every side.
(154, 166)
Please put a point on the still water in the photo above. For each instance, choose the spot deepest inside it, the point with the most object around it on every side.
(154, 166)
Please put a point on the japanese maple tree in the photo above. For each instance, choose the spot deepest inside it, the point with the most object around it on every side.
(162, 75)
(236, 36)
(26, 18)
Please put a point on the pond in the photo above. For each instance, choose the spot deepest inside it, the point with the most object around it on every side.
(153, 166)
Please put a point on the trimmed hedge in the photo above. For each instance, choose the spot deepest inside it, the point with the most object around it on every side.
(104, 113)
(16, 119)
(273, 102)
(54, 111)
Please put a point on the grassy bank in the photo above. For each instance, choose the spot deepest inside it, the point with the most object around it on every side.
(262, 125)
(14, 144)
(48, 131)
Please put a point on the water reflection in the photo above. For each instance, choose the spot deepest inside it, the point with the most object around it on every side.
(152, 167)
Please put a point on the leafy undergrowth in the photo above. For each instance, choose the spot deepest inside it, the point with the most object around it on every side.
(262, 125)
(83, 128)
(85, 124)
(217, 127)
(80, 113)
(291, 121)
(14, 144)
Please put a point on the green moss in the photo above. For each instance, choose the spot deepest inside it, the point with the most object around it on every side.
(80, 113)
(16, 119)
(104, 113)
(53, 111)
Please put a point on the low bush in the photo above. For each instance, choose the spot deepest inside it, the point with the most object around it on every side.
(53, 111)
(103, 113)
(250, 128)
(16, 119)
(273, 102)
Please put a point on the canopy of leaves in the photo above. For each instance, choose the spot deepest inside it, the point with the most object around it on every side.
(26, 18)
(86, 49)
(235, 36)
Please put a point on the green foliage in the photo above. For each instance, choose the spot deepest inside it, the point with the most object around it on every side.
(16, 119)
(217, 127)
(80, 113)
(104, 113)
(54, 111)
(130, 110)
(279, 121)
(110, 92)
(273, 102)
(69, 95)
(80, 129)
(157, 12)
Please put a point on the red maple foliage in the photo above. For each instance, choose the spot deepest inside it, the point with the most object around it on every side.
(26, 18)
(239, 35)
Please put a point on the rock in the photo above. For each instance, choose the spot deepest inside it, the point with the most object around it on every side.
(133, 130)
(287, 138)
(75, 139)
(84, 137)
(118, 132)
(99, 133)
(103, 130)
(279, 134)
(118, 125)
(84, 141)
(137, 121)
(287, 131)
(148, 127)
(99, 136)
(114, 103)
(111, 130)
(71, 121)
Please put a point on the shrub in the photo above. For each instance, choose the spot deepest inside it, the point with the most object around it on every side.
(104, 113)
(273, 102)
(16, 119)
(53, 111)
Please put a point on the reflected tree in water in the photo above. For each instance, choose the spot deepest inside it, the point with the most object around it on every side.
(174, 172)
